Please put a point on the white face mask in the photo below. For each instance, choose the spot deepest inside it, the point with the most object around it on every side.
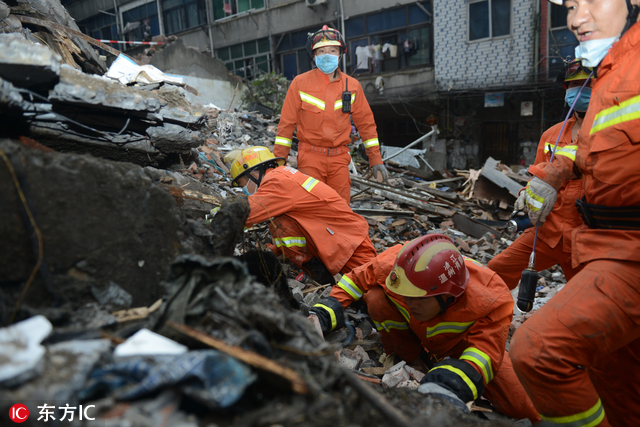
(592, 52)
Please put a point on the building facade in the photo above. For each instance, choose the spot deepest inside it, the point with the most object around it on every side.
(481, 68)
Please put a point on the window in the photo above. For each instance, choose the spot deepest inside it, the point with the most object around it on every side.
(489, 19)
(247, 59)
(224, 8)
(292, 54)
(140, 23)
(181, 15)
(562, 42)
(390, 40)
(102, 26)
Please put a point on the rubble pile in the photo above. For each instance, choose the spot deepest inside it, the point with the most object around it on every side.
(120, 301)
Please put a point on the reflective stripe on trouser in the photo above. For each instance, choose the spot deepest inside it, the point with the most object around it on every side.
(510, 262)
(286, 234)
(332, 170)
(583, 346)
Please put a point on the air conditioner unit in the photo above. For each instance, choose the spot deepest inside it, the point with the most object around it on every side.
(312, 3)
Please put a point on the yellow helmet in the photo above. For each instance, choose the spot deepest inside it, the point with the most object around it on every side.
(247, 160)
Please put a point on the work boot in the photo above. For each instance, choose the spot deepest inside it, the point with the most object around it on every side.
(318, 272)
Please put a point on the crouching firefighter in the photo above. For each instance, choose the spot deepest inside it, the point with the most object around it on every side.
(428, 302)
(309, 222)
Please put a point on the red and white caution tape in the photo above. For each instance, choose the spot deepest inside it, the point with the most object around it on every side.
(128, 42)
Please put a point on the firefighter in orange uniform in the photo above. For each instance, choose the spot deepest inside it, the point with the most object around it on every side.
(554, 236)
(317, 107)
(314, 227)
(578, 357)
(429, 302)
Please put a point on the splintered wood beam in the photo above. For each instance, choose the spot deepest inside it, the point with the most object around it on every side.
(261, 363)
(181, 194)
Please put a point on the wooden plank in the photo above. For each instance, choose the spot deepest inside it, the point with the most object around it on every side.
(383, 213)
(259, 362)
(490, 172)
(53, 25)
(472, 227)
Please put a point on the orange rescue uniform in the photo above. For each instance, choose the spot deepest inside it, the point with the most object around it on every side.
(310, 219)
(474, 328)
(554, 235)
(578, 357)
(313, 106)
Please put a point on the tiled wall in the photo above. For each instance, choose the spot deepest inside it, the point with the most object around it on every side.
(505, 61)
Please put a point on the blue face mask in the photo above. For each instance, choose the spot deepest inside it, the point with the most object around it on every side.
(583, 101)
(592, 52)
(327, 63)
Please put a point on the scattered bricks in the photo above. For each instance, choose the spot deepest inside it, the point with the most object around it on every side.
(463, 245)
(312, 299)
(395, 375)
(294, 284)
(350, 358)
(410, 384)
(446, 224)
(378, 371)
(414, 373)
(488, 237)
(359, 335)
(360, 351)
(297, 294)
(474, 249)
(316, 323)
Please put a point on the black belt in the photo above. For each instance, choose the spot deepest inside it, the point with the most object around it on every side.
(618, 218)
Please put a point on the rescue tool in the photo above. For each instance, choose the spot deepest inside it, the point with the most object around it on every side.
(529, 278)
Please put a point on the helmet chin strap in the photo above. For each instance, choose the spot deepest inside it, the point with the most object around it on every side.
(444, 304)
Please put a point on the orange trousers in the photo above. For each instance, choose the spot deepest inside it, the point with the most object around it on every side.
(578, 356)
(505, 391)
(510, 262)
(283, 228)
(332, 170)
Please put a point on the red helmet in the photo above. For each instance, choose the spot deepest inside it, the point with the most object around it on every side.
(428, 266)
(328, 37)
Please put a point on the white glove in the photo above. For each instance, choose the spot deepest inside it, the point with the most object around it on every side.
(520, 203)
(383, 171)
(443, 393)
(539, 198)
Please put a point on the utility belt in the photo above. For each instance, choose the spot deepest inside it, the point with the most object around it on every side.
(618, 218)
(328, 151)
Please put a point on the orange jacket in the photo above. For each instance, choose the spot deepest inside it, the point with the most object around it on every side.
(477, 323)
(332, 229)
(314, 105)
(608, 152)
(564, 217)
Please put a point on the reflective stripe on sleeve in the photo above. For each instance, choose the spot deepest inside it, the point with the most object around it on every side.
(309, 184)
(332, 313)
(626, 111)
(283, 141)
(387, 325)
(567, 151)
(480, 359)
(371, 143)
(350, 287)
(462, 375)
(589, 418)
(448, 328)
(305, 97)
(291, 241)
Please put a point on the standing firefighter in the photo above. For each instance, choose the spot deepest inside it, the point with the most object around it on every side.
(320, 105)
(578, 357)
(429, 302)
(554, 236)
(309, 221)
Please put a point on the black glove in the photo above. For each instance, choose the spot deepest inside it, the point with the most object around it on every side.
(330, 313)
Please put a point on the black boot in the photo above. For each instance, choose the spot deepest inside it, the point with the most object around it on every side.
(318, 272)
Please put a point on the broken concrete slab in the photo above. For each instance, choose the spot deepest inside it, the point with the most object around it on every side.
(490, 171)
(20, 351)
(26, 64)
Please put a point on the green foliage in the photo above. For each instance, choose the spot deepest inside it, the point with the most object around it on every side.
(268, 89)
